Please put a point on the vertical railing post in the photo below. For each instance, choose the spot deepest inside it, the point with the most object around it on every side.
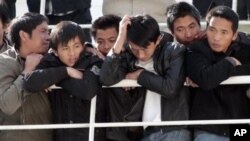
(42, 7)
(234, 5)
(92, 119)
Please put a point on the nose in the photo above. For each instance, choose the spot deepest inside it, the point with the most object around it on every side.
(71, 52)
(107, 45)
(188, 33)
(217, 37)
(140, 55)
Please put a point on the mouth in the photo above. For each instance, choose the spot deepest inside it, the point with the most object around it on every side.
(215, 45)
(46, 44)
(72, 61)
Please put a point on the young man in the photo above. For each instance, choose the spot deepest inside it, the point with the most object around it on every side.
(156, 65)
(78, 75)
(4, 21)
(105, 31)
(211, 61)
(183, 21)
(118, 101)
(30, 37)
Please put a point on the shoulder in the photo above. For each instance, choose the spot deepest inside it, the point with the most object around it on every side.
(9, 62)
(199, 46)
(49, 60)
(9, 56)
(243, 39)
(173, 48)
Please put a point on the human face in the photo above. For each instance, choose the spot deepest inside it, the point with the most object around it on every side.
(185, 29)
(143, 54)
(39, 40)
(220, 34)
(69, 54)
(105, 39)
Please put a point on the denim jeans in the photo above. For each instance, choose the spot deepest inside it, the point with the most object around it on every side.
(206, 136)
(175, 135)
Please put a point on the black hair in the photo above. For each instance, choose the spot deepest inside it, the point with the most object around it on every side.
(27, 23)
(143, 30)
(178, 10)
(226, 13)
(105, 22)
(65, 31)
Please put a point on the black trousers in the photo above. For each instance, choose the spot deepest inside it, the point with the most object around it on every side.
(81, 16)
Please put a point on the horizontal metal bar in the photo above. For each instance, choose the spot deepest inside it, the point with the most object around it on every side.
(125, 124)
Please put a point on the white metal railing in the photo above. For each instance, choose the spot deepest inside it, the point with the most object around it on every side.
(234, 5)
(42, 7)
(131, 83)
(203, 23)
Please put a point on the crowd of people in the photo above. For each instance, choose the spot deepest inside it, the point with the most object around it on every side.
(33, 58)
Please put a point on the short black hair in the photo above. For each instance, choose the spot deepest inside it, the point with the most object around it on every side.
(27, 23)
(226, 13)
(143, 30)
(65, 31)
(178, 10)
(105, 22)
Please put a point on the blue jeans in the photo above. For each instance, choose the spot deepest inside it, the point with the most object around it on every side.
(175, 135)
(206, 136)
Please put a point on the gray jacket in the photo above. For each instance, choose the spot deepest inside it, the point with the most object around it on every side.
(19, 107)
(5, 46)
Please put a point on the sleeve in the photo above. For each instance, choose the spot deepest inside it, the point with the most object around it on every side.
(85, 88)
(113, 70)
(42, 79)
(172, 79)
(204, 72)
(11, 92)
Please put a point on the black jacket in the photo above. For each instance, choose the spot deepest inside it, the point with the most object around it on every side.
(72, 103)
(208, 69)
(119, 104)
(168, 63)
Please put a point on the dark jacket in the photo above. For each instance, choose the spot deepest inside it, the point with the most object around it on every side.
(72, 103)
(119, 104)
(208, 69)
(168, 63)
(60, 6)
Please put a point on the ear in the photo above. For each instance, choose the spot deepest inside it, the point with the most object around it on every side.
(235, 36)
(23, 35)
(55, 52)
